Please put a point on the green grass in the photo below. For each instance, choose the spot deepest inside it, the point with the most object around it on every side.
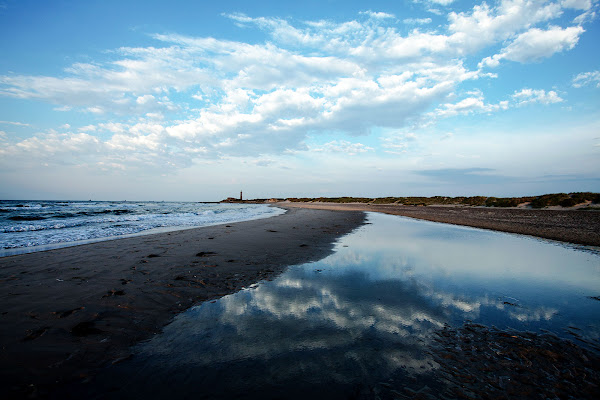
(556, 199)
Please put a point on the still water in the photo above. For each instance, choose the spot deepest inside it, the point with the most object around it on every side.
(365, 315)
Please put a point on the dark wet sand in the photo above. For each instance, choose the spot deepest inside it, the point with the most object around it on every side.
(573, 226)
(478, 362)
(65, 313)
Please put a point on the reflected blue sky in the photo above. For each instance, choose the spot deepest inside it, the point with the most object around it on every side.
(365, 315)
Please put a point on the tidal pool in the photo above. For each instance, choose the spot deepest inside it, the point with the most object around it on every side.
(365, 316)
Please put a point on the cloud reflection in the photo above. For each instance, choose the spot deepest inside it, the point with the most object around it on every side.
(368, 311)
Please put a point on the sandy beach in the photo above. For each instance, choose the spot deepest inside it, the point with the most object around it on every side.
(66, 312)
(572, 226)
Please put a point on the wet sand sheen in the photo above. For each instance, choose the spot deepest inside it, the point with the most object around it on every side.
(69, 311)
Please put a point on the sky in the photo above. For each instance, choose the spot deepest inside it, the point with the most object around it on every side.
(197, 100)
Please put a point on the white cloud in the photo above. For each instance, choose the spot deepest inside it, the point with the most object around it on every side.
(434, 11)
(398, 142)
(377, 15)
(476, 103)
(528, 96)
(485, 25)
(263, 162)
(536, 44)
(87, 128)
(587, 79)
(577, 4)
(14, 123)
(468, 106)
(114, 86)
(343, 146)
(437, 2)
(145, 99)
(585, 17)
(417, 21)
(473, 104)
(53, 144)
(308, 77)
(95, 110)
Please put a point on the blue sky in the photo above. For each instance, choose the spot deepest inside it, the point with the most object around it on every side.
(191, 100)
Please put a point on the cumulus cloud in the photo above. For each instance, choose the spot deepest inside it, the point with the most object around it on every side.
(587, 79)
(475, 103)
(53, 145)
(536, 44)
(343, 146)
(436, 2)
(528, 96)
(378, 15)
(417, 21)
(242, 99)
(469, 105)
(485, 25)
(577, 4)
(117, 86)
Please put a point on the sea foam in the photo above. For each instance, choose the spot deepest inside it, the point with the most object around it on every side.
(30, 225)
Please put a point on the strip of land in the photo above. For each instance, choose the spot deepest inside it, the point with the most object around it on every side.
(64, 313)
(573, 226)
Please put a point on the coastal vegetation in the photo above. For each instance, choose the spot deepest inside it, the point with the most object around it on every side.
(546, 200)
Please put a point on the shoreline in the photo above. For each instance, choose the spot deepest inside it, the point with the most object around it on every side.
(572, 226)
(101, 221)
(67, 312)
(152, 231)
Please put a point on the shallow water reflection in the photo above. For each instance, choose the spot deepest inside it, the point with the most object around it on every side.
(364, 316)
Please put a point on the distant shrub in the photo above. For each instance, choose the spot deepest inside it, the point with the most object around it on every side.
(549, 200)
(555, 199)
(538, 203)
(473, 201)
(508, 202)
(386, 200)
(343, 199)
(582, 197)
(568, 202)
(490, 201)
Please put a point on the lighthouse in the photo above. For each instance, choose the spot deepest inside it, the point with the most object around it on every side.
(240, 195)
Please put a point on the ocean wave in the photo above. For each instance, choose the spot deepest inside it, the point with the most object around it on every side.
(33, 228)
(91, 213)
(77, 221)
(26, 218)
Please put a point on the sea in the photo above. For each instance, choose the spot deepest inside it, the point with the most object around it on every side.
(28, 226)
